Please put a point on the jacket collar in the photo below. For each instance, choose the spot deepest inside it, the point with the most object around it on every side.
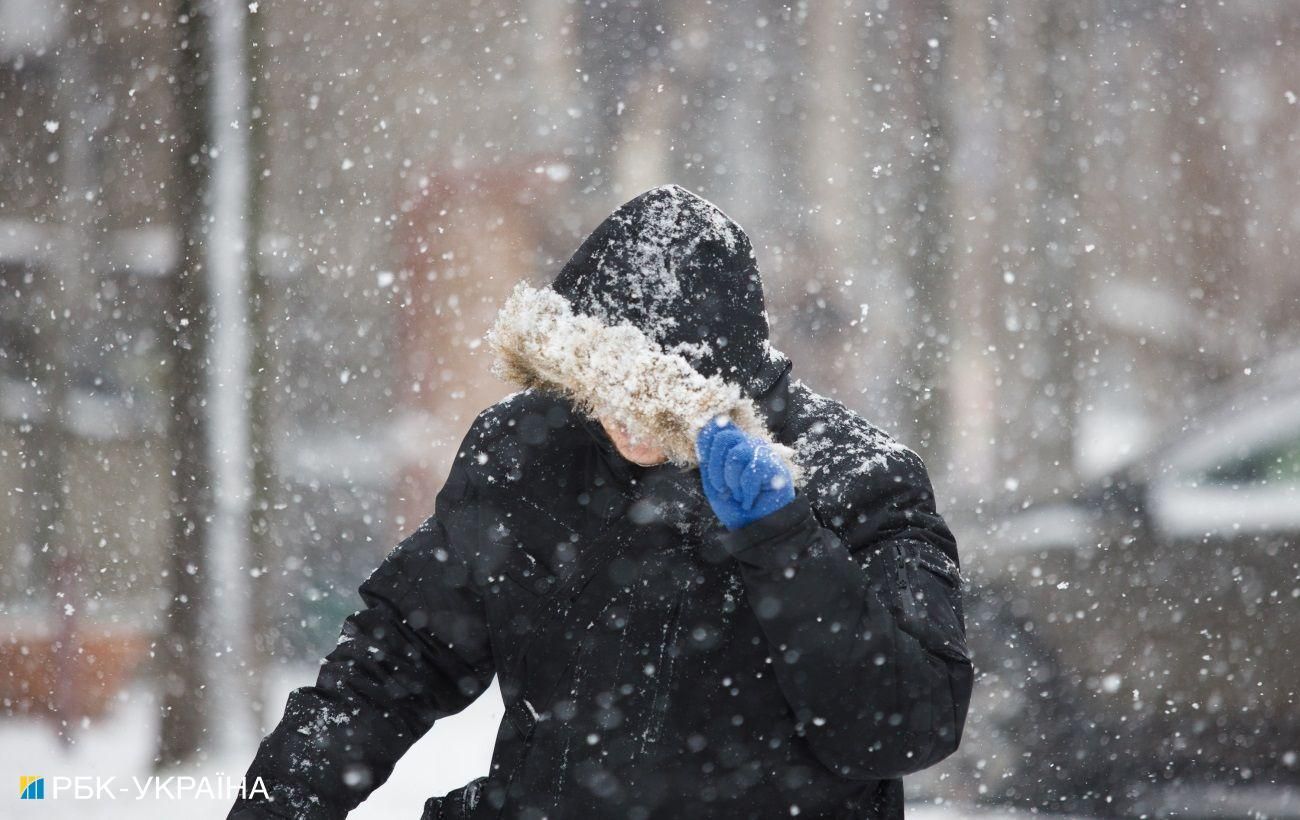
(774, 403)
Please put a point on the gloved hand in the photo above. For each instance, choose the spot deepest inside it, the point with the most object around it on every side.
(743, 477)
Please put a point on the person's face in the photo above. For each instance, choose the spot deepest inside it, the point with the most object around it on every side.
(644, 453)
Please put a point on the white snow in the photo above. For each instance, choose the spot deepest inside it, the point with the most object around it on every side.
(668, 229)
(1047, 526)
(455, 751)
(842, 451)
(1195, 511)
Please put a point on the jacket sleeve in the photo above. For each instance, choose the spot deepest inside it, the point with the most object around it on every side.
(864, 622)
(417, 652)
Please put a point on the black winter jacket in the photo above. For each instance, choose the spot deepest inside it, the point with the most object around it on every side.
(653, 664)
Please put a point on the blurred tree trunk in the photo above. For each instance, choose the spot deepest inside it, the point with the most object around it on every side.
(1212, 201)
(261, 376)
(68, 288)
(827, 152)
(1055, 248)
(186, 695)
(925, 40)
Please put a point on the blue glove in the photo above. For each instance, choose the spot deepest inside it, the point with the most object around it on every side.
(743, 477)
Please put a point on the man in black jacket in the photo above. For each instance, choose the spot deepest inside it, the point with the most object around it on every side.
(707, 591)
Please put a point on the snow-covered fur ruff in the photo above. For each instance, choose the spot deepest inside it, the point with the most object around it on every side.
(616, 372)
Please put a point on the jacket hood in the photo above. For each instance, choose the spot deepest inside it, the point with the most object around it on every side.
(674, 266)
(657, 321)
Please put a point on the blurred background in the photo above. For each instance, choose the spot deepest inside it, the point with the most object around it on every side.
(248, 251)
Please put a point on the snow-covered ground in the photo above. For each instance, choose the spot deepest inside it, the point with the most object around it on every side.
(455, 751)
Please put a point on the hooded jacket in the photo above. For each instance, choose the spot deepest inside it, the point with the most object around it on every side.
(653, 664)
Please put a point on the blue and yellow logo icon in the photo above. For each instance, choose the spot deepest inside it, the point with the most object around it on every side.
(31, 787)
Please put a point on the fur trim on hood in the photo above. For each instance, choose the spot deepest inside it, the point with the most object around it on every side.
(617, 372)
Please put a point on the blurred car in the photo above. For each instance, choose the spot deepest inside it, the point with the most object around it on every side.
(1139, 643)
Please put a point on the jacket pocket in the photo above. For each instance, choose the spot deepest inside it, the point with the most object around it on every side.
(930, 599)
(460, 804)
(528, 575)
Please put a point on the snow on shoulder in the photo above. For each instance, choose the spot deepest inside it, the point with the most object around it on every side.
(841, 449)
(616, 372)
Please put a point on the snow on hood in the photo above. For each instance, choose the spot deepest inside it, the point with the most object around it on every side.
(673, 265)
(615, 371)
